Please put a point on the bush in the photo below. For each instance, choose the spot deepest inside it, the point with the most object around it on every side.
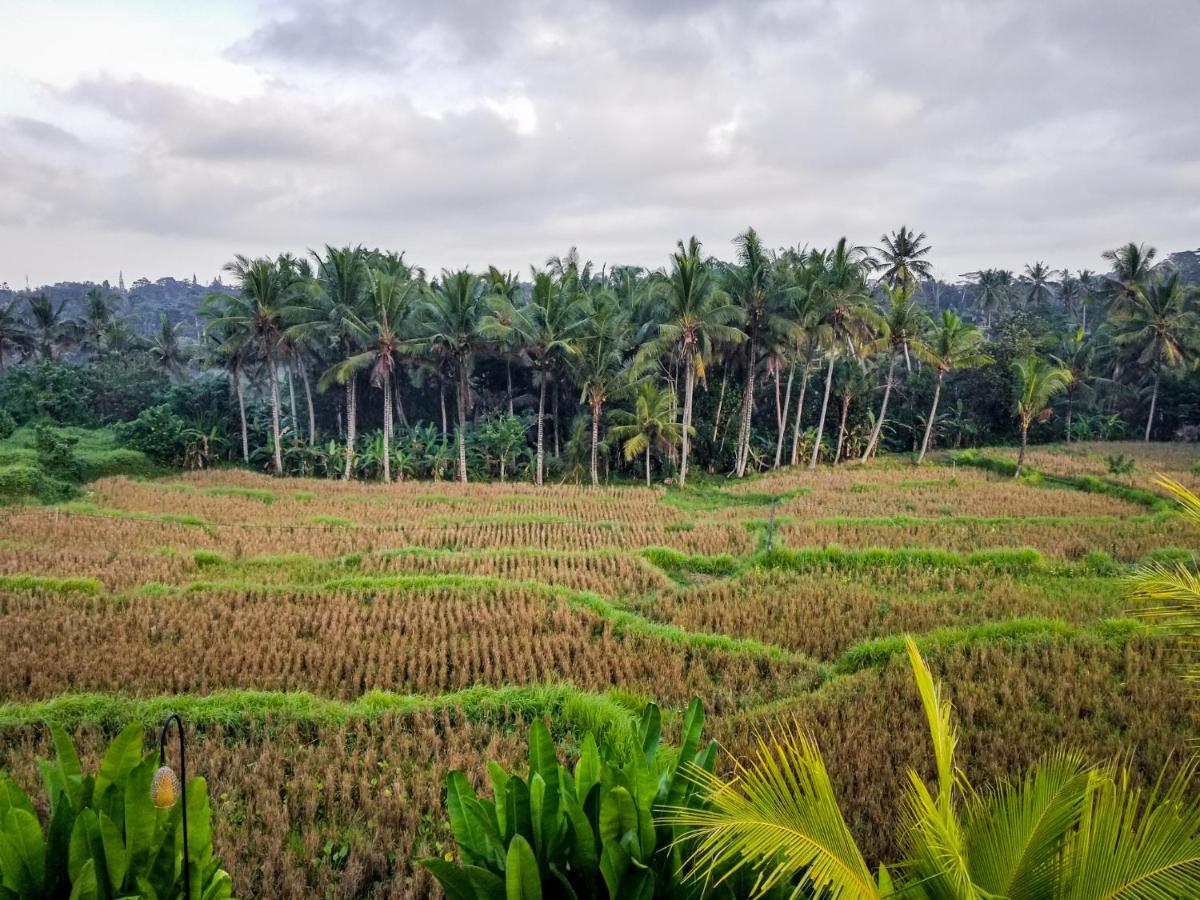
(7, 425)
(56, 453)
(112, 834)
(157, 432)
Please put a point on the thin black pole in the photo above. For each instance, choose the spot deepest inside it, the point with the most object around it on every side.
(162, 760)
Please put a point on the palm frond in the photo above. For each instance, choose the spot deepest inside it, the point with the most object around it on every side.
(778, 815)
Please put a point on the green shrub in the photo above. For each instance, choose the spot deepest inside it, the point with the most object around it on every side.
(1100, 563)
(7, 425)
(157, 432)
(107, 836)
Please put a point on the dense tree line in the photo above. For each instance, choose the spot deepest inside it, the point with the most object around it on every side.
(355, 363)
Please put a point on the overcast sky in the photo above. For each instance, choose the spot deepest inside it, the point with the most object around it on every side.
(160, 138)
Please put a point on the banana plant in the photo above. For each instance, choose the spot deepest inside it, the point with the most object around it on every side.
(591, 833)
(107, 837)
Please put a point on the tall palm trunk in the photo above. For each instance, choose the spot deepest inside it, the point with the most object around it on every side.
(445, 421)
(937, 394)
(720, 402)
(237, 389)
(1021, 452)
(508, 376)
(312, 416)
(287, 367)
(541, 430)
(1153, 403)
(887, 392)
(747, 411)
(464, 399)
(648, 466)
(273, 377)
(841, 438)
(596, 404)
(387, 429)
(782, 414)
(689, 388)
(816, 451)
(799, 413)
(556, 418)
(351, 425)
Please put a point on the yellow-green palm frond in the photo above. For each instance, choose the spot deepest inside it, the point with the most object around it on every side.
(1188, 501)
(778, 815)
(1135, 844)
(1016, 830)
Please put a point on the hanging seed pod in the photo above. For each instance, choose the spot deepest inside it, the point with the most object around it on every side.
(164, 788)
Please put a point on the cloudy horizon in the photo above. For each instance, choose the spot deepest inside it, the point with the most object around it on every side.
(161, 138)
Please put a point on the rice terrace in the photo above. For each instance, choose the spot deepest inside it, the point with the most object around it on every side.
(599, 451)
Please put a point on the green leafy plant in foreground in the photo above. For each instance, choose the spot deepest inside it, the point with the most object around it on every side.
(1064, 829)
(106, 837)
(587, 833)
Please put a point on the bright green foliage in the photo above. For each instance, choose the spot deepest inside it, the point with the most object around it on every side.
(105, 837)
(588, 832)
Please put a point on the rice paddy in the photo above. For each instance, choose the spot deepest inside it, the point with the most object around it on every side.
(337, 648)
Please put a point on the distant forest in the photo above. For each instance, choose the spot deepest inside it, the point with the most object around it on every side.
(354, 362)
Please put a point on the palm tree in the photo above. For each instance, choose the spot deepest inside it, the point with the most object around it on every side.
(505, 290)
(51, 332)
(649, 426)
(449, 319)
(1065, 829)
(255, 316)
(13, 334)
(97, 316)
(600, 367)
(1038, 284)
(378, 331)
(1131, 266)
(227, 350)
(546, 328)
(902, 258)
(166, 351)
(325, 316)
(749, 285)
(903, 324)
(695, 313)
(1156, 330)
(843, 317)
(1075, 355)
(1087, 294)
(1037, 383)
(994, 288)
(953, 345)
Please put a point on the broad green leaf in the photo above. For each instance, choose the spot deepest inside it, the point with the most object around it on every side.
(58, 849)
(122, 756)
(471, 845)
(522, 880)
(613, 863)
(693, 724)
(116, 859)
(543, 759)
(85, 886)
(517, 811)
(23, 853)
(455, 882)
(583, 838)
(11, 797)
(67, 760)
(84, 844)
(141, 818)
(199, 835)
(650, 731)
(587, 770)
(499, 791)
(220, 887)
(618, 815)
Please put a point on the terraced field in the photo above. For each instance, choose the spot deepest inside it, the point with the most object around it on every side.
(336, 648)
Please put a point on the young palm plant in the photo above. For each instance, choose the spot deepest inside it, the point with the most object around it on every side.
(953, 345)
(1037, 383)
(1065, 829)
(904, 322)
(650, 426)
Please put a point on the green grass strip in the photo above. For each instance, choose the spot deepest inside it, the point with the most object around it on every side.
(878, 652)
(50, 584)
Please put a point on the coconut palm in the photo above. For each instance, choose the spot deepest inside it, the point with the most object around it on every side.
(1076, 354)
(448, 320)
(14, 336)
(995, 286)
(650, 426)
(323, 316)
(904, 322)
(902, 257)
(600, 368)
(97, 316)
(378, 329)
(694, 315)
(50, 332)
(1039, 284)
(750, 288)
(1131, 268)
(546, 328)
(1065, 829)
(227, 350)
(255, 315)
(166, 350)
(505, 290)
(1037, 382)
(1157, 332)
(953, 345)
(844, 316)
